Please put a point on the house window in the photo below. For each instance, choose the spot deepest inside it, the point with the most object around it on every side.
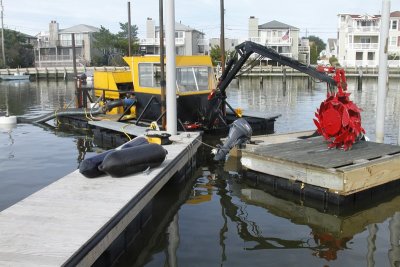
(365, 40)
(179, 34)
(393, 25)
(371, 55)
(393, 41)
(359, 55)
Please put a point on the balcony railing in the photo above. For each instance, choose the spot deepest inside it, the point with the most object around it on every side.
(58, 43)
(368, 63)
(364, 29)
(271, 40)
(304, 49)
(156, 41)
(364, 45)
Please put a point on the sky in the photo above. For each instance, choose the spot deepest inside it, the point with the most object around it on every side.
(312, 17)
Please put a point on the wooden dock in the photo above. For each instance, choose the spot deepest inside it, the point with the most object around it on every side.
(73, 221)
(309, 162)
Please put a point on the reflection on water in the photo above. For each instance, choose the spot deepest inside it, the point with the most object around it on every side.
(227, 222)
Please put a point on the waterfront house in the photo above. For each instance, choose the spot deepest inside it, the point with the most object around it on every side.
(54, 47)
(188, 41)
(358, 40)
(282, 37)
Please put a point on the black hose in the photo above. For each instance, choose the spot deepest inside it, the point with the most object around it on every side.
(60, 113)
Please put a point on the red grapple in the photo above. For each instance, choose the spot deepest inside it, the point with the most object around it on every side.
(338, 119)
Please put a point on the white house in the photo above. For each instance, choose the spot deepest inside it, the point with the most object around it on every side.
(188, 41)
(279, 36)
(54, 47)
(358, 39)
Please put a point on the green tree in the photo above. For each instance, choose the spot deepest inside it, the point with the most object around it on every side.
(215, 54)
(122, 38)
(111, 47)
(18, 52)
(104, 42)
(316, 46)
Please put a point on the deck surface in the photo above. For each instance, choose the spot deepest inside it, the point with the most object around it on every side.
(314, 152)
(49, 227)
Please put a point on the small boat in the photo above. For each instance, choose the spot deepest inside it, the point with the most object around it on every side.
(16, 76)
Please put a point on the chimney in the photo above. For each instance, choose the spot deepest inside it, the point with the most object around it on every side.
(150, 28)
(53, 32)
(253, 27)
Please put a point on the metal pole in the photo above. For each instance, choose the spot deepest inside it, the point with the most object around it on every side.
(2, 34)
(74, 55)
(171, 68)
(162, 81)
(129, 29)
(383, 74)
(222, 39)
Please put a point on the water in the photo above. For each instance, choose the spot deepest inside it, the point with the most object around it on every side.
(217, 218)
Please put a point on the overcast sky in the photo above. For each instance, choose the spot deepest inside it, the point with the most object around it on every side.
(317, 17)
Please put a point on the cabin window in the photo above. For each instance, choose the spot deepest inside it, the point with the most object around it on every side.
(191, 79)
(149, 74)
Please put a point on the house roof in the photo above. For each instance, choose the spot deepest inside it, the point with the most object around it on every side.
(395, 14)
(276, 25)
(81, 28)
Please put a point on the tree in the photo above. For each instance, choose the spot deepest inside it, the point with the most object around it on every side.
(18, 53)
(215, 54)
(122, 38)
(316, 46)
(112, 47)
(104, 41)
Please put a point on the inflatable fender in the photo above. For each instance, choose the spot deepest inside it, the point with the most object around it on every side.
(137, 141)
(132, 160)
(89, 167)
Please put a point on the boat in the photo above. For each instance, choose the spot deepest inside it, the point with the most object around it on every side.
(15, 77)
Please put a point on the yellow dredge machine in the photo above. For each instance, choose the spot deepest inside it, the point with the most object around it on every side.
(139, 90)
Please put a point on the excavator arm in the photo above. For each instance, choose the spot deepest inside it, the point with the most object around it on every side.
(246, 49)
(217, 103)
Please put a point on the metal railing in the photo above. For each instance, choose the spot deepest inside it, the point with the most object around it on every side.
(156, 41)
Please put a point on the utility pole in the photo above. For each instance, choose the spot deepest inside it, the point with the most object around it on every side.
(129, 29)
(2, 34)
(162, 78)
(222, 39)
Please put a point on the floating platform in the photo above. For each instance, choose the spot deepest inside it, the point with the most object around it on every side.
(75, 220)
(331, 174)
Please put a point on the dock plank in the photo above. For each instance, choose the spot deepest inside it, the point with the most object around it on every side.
(51, 226)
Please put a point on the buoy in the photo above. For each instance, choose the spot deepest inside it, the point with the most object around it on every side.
(8, 120)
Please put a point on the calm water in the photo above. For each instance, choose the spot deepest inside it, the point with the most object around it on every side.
(217, 219)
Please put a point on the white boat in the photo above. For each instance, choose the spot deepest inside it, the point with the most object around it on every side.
(16, 76)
